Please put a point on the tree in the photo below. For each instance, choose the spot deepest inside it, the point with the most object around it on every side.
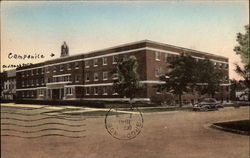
(242, 49)
(208, 75)
(181, 78)
(127, 83)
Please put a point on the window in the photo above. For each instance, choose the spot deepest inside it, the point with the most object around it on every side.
(87, 64)
(69, 66)
(87, 77)
(37, 81)
(104, 91)
(157, 56)
(77, 78)
(104, 61)
(87, 90)
(166, 57)
(40, 92)
(42, 70)
(42, 81)
(95, 62)
(105, 75)
(95, 90)
(115, 59)
(115, 91)
(69, 91)
(115, 75)
(31, 72)
(32, 93)
(47, 69)
(61, 67)
(157, 72)
(22, 84)
(54, 69)
(95, 76)
(76, 65)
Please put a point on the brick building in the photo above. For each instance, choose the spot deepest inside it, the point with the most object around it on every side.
(8, 85)
(90, 76)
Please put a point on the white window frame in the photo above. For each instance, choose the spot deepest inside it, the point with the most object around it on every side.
(158, 56)
(87, 91)
(105, 92)
(106, 61)
(166, 57)
(69, 91)
(54, 68)
(105, 73)
(61, 67)
(77, 64)
(77, 78)
(95, 90)
(86, 64)
(115, 76)
(114, 59)
(114, 92)
(157, 71)
(87, 77)
(96, 74)
(95, 62)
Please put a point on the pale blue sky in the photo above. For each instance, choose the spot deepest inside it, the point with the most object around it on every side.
(37, 27)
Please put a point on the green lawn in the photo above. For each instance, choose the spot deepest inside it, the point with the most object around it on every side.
(242, 125)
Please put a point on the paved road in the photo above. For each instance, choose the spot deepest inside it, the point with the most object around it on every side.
(182, 134)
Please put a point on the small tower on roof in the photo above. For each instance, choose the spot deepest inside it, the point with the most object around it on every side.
(64, 50)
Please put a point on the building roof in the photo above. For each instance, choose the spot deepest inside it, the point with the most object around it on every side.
(143, 43)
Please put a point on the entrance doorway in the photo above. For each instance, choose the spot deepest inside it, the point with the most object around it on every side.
(55, 94)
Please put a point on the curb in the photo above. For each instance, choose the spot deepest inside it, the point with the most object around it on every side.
(230, 130)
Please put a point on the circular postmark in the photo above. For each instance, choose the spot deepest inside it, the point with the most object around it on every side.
(124, 125)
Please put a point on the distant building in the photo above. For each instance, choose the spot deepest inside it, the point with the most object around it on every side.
(90, 76)
(8, 85)
(242, 95)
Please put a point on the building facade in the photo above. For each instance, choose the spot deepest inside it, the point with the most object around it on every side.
(90, 76)
(8, 85)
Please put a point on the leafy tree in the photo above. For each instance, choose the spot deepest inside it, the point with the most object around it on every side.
(208, 75)
(235, 86)
(127, 83)
(242, 49)
(245, 73)
(181, 78)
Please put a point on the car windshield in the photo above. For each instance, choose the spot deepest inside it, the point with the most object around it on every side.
(210, 100)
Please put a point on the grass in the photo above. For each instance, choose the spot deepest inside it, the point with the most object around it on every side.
(242, 125)
(161, 109)
(94, 113)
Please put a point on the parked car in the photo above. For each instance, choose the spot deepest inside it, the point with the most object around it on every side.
(207, 104)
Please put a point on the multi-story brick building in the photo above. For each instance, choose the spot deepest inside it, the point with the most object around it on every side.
(90, 76)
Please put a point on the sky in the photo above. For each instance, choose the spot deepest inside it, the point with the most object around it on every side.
(39, 28)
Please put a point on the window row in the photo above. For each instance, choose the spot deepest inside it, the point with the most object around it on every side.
(100, 76)
(28, 94)
(105, 90)
(32, 72)
(33, 82)
(101, 61)
(168, 57)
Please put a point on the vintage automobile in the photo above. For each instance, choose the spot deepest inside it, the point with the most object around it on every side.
(207, 104)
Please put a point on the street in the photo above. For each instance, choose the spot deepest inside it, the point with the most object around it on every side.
(46, 133)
